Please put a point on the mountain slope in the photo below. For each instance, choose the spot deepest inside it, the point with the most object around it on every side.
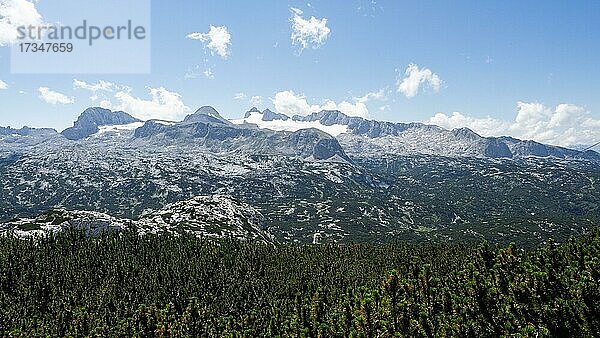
(215, 216)
(376, 138)
(415, 198)
(205, 128)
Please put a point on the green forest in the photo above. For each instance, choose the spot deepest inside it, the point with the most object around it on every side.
(123, 284)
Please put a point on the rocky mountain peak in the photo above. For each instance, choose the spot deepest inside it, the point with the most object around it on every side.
(269, 115)
(88, 122)
(207, 110)
(466, 133)
(326, 117)
(249, 112)
(206, 114)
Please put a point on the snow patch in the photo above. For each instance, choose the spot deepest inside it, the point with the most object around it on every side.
(164, 123)
(291, 125)
(118, 128)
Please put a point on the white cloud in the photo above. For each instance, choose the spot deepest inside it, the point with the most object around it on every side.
(256, 101)
(415, 77)
(3, 85)
(199, 71)
(348, 108)
(308, 33)
(218, 40)
(99, 89)
(378, 95)
(106, 104)
(16, 13)
(209, 73)
(290, 103)
(53, 97)
(564, 125)
(484, 126)
(94, 87)
(162, 105)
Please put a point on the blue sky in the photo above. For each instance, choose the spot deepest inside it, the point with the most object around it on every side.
(491, 59)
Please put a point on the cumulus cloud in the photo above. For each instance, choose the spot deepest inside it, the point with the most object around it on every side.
(94, 87)
(218, 40)
(290, 103)
(162, 104)
(486, 126)
(54, 97)
(564, 125)
(3, 85)
(351, 109)
(16, 13)
(415, 77)
(306, 33)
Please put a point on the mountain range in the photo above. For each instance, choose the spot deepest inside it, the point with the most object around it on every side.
(308, 179)
(305, 136)
(375, 138)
